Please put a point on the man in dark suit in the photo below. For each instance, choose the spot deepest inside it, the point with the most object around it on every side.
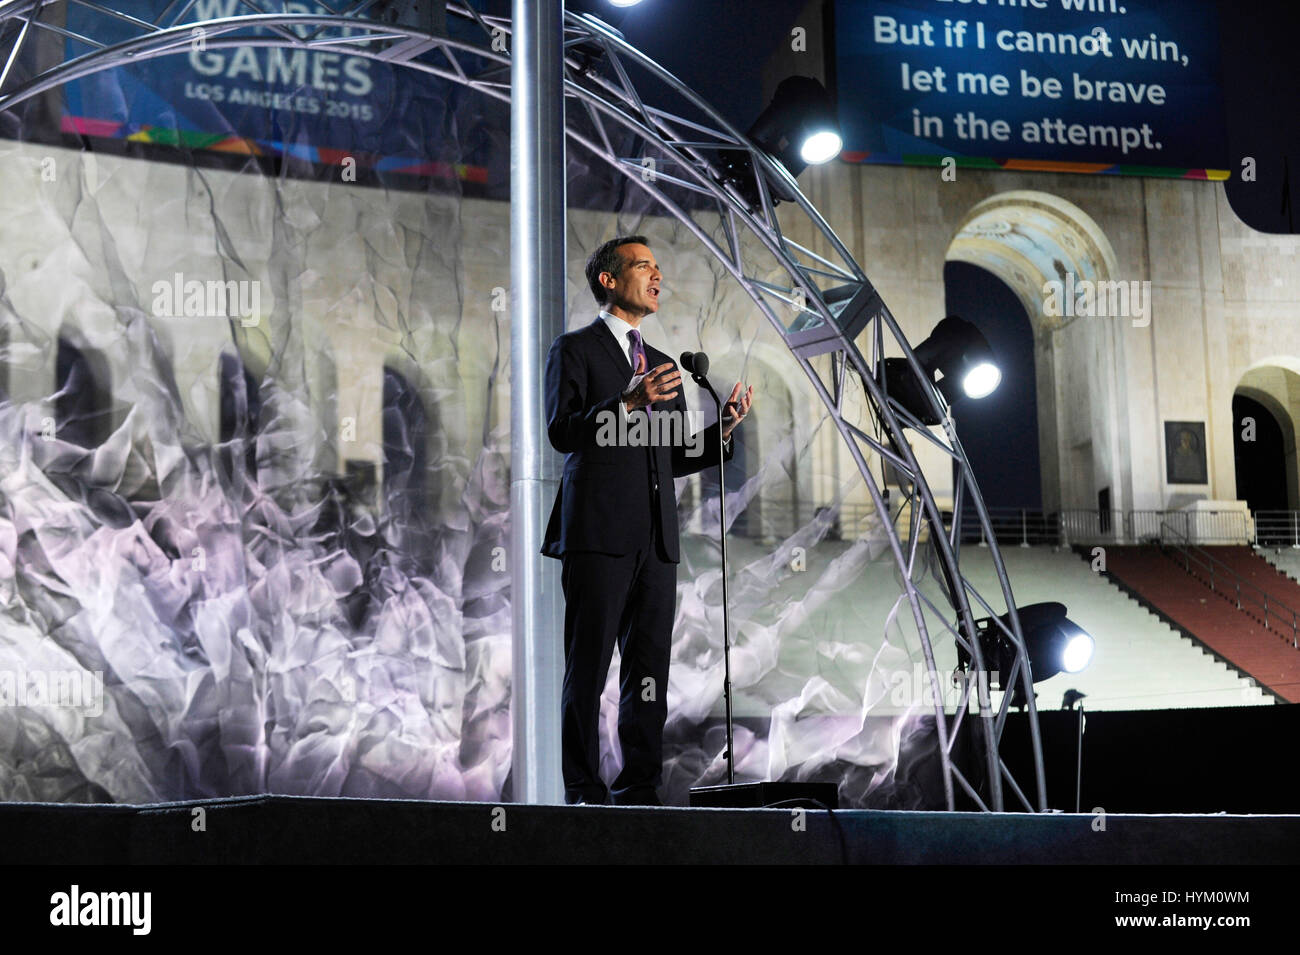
(614, 523)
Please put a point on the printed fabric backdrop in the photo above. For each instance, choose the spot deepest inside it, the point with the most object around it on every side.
(255, 543)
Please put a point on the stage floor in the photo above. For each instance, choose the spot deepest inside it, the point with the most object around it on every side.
(292, 829)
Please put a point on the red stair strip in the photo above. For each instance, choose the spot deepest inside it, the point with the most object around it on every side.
(1212, 616)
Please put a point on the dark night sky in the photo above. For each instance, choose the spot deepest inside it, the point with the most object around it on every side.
(718, 47)
(719, 50)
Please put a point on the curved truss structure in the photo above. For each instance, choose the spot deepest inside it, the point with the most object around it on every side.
(825, 301)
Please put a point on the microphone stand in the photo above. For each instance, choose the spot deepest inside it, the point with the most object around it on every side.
(703, 382)
(742, 795)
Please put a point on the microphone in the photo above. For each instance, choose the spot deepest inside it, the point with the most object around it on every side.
(697, 363)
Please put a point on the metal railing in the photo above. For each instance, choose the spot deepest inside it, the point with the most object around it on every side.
(1029, 527)
(1224, 579)
(1033, 527)
(1024, 526)
(1277, 529)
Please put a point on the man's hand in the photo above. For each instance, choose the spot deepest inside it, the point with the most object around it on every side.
(650, 388)
(737, 406)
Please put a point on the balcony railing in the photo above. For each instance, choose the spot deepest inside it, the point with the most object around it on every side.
(1277, 528)
(1031, 527)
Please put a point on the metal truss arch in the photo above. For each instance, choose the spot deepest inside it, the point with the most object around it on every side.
(599, 65)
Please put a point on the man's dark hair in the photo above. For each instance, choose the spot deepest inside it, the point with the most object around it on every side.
(607, 259)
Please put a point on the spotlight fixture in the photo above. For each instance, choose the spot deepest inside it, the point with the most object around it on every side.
(820, 147)
(1077, 649)
(590, 54)
(957, 351)
(799, 128)
(1054, 643)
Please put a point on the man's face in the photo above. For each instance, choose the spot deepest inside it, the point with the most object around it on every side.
(636, 289)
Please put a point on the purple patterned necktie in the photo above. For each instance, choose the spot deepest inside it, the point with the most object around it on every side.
(638, 350)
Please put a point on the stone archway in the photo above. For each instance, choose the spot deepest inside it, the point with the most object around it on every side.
(1275, 384)
(1042, 246)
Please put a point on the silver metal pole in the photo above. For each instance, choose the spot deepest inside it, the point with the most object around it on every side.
(537, 190)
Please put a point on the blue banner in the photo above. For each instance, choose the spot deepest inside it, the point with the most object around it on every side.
(1092, 85)
(318, 105)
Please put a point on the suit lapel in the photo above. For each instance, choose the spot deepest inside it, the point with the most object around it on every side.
(611, 346)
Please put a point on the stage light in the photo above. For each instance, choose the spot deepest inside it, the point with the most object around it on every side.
(623, 3)
(590, 54)
(1053, 642)
(982, 380)
(800, 118)
(821, 147)
(1078, 651)
(956, 351)
(799, 127)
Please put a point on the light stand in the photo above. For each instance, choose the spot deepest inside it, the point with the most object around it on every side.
(1073, 700)
(1078, 764)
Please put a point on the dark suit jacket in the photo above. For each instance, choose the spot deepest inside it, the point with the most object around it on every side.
(606, 499)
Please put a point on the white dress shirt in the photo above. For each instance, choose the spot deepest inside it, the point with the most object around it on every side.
(620, 329)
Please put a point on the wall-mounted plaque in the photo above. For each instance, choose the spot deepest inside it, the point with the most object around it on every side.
(1185, 453)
